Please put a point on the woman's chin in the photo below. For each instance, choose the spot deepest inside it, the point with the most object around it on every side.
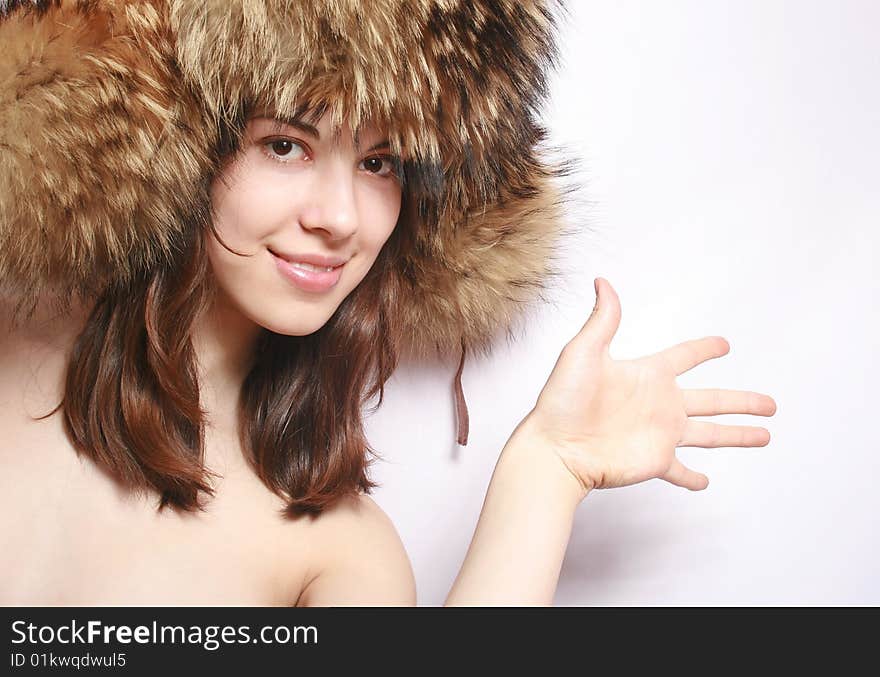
(286, 327)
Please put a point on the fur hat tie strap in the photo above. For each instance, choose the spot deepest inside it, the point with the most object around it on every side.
(461, 411)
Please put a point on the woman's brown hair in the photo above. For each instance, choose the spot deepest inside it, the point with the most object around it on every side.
(131, 399)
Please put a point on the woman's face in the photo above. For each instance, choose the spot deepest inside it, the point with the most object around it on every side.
(290, 194)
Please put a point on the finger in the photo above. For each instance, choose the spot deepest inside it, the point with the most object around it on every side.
(687, 355)
(604, 321)
(712, 435)
(681, 476)
(713, 401)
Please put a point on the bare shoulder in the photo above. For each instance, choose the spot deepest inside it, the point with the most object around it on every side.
(360, 559)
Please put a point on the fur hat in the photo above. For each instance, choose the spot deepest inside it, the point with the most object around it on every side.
(109, 119)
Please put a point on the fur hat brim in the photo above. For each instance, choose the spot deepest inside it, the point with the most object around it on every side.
(110, 111)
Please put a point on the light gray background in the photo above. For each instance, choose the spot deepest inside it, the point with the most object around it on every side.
(730, 165)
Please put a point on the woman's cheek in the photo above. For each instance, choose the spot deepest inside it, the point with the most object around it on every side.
(390, 213)
(262, 200)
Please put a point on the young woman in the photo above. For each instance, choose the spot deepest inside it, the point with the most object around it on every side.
(221, 224)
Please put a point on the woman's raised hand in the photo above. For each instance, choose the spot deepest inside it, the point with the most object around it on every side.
(618, 422)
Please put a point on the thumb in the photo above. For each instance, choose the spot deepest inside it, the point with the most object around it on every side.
(604, 321)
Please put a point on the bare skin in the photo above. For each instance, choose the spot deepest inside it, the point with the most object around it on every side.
(609, 423)
(72, 536)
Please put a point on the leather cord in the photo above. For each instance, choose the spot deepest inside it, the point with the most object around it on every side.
(460, 405)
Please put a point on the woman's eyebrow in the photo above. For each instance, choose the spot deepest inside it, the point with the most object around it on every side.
(299, 123)
(381, 144)
(385, 143)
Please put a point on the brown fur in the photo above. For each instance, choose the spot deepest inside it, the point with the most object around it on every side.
(109, 114)
(94, 169)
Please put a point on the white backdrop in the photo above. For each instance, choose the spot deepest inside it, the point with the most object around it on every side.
(730, 168)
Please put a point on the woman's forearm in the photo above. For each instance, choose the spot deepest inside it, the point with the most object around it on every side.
(522, 534)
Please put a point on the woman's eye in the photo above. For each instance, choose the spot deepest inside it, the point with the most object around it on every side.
(284, 150)
(378, 165)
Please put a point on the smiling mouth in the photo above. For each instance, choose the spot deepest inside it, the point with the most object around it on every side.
(311, 261)
(306, 276)
(309, 266)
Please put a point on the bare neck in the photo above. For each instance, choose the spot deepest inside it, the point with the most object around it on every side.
(35, 349)
(223, 341)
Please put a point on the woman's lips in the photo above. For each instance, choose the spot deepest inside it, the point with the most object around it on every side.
(308, 280)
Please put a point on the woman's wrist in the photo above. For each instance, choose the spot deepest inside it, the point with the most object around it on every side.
(528, 455)
(519, 544)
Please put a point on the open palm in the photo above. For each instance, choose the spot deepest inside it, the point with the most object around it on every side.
(618, 422)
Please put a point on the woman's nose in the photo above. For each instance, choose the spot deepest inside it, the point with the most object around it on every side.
(330, 205)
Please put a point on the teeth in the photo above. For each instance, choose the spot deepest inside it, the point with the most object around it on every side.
(309, 266)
